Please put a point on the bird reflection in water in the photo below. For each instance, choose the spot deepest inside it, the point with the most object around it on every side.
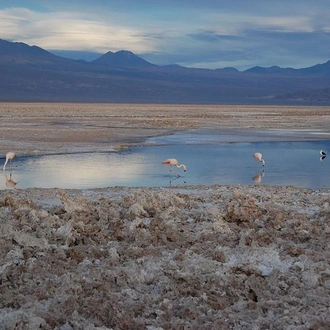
(10, 183)
(173, 179)
(258, 177)
(323, 155)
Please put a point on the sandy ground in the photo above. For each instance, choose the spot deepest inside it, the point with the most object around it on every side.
(47, 128)
(202, 257)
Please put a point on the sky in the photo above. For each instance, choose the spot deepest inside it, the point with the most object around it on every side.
(200, 34)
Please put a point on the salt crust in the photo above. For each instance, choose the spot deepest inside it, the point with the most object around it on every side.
(204, 257)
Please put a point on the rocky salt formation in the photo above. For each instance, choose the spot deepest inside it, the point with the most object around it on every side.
(238, 257)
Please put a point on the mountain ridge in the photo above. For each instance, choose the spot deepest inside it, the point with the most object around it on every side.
(30, 73)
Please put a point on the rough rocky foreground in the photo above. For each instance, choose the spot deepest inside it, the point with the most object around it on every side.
(219, 257)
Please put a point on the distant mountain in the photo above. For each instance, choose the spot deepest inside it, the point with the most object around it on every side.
(17, 48)
(30, 73)
(20, 53)
(318, 69)
(122, 59)
(271, 70)
(227, 69)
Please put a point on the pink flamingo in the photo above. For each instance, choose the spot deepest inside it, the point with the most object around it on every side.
(9, 157)
(174, 162)
(258, 157)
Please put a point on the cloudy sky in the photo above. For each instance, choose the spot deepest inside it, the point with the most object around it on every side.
(193, 33)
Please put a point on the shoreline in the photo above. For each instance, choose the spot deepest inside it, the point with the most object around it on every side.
(37, 128)
(225, 136)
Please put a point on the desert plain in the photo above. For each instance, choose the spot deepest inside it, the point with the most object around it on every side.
(194, 257)
(30, 128)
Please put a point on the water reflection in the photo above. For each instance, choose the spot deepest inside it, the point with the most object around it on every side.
(176, 180)
(258, 177)
(82, 170)
(288, 163)
(10, 183)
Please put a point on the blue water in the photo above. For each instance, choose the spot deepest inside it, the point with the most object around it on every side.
(287, 163)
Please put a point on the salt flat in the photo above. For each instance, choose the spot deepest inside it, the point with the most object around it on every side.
(196, 257)
(32, 128)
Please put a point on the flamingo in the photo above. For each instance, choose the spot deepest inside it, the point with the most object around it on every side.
(174, 162)
(9, 157)
(258, 157)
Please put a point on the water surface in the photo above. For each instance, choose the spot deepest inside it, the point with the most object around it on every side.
(208, 161)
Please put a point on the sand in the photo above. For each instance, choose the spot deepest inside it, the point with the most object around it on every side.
(30, 128)
(195, 257)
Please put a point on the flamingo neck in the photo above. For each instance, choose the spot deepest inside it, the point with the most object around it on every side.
(182, 165)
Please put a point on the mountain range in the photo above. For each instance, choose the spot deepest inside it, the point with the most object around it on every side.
(30, 73)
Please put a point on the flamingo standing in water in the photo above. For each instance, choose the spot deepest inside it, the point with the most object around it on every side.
(258, 157)
(174, 162)
(9, 157)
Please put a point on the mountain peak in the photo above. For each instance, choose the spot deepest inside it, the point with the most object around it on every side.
(122, 58)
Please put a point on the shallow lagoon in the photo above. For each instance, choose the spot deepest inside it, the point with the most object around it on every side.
(210, 159)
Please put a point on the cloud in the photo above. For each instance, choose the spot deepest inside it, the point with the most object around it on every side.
(70, 31)
(210, 34)
(251, 40)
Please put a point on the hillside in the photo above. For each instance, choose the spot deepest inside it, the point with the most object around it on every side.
(29, 73)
